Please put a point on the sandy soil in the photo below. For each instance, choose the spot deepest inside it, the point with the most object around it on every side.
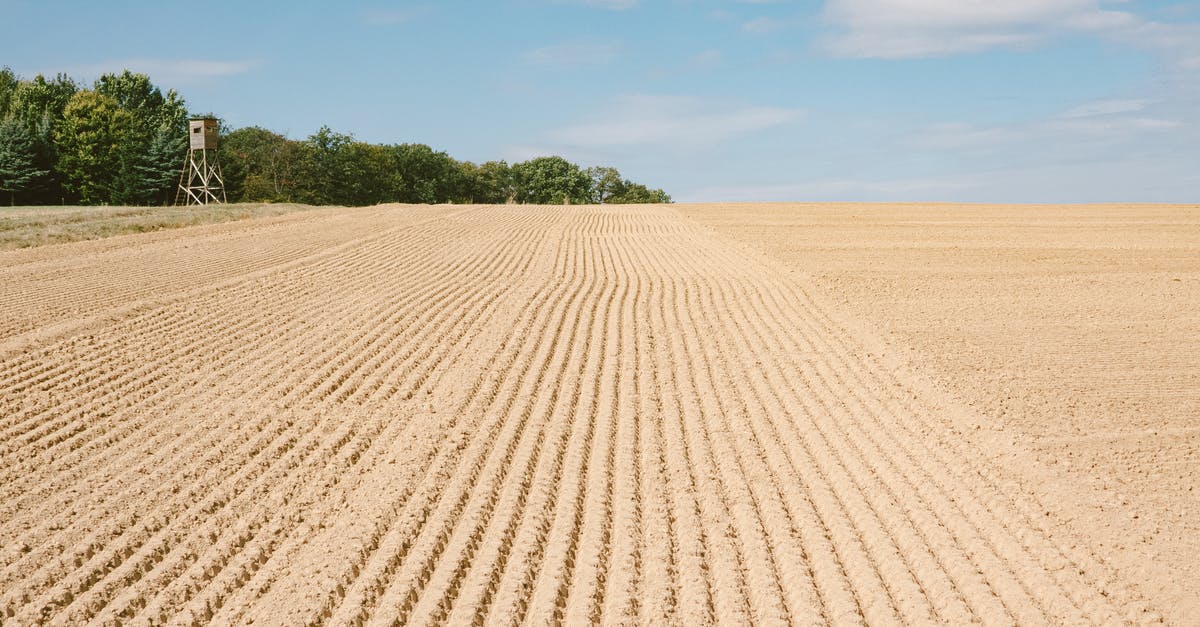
(1075, 327)
(500, 414)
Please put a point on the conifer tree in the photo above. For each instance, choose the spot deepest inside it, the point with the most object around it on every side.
(18, 156)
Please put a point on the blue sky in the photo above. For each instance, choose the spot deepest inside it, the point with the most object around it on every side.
(756, 100)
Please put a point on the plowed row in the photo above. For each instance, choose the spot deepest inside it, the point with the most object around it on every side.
(488, 415)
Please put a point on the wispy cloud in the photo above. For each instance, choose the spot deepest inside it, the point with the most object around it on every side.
(703, 61)
(930, 28)
(575, 54)
(920, 28)
(612, 5)
(169, 71)
(1101, 127)
(1102, 120)
(763, 25)
(1108, 119)
(1106, 107)
(831, 190)
(1179, 42)
(956, 136)
(706, 60)
(392, 17)
(1097, 180)
(671, 121)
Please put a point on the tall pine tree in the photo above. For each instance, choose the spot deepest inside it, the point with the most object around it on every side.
(18, 159)
(152, 146)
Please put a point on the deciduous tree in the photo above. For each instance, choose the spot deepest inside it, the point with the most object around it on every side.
(38, 100)
(635, 193)
(124, 140)
(551, 180)
(606, 182)
(260, 165)
(89, 139)
(421, 174)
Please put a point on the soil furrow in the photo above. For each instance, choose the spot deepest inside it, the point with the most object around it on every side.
(504, 414)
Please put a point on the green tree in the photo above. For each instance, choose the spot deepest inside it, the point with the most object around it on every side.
(8, 89)
(38, 100)
(605, 183)
(148, 171)
(420, 174)
(551, 180)
(123, 141)
(136, 94)
(498, 182)
(89, 140)
(133, 92)
(488, 183)
(18, 158)
(365, 169)
(324, 167)
(635, 193)
(343, 171)
(39, 104)
(153, 145)
(260, 165)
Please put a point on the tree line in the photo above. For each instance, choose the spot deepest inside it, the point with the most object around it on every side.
(123, 141)
(331, 168)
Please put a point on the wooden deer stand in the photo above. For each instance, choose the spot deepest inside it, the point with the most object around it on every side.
(200, 182)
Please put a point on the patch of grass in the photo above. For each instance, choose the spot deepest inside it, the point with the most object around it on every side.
(24, 227)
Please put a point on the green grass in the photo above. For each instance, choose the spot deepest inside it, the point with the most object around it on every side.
(24, 227)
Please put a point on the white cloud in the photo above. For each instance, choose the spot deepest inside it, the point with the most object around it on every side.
(921, 28)
(1109, 118)
(1106, 107)
(831, 190)
(762, 25)
(1179, 42)
(613, 5)
(954, 14)
(671, 121)
(164, 71)
(1106, 179)
(1107, 127)
(706, 60)
(1100, 121)
(1101, 20)
(703, 61)
(609, 5)
(957, 136)
(391, 17)
(574, 54)
(930, 28)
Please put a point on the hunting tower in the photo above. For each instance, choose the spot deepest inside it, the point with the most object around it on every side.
(200, 182)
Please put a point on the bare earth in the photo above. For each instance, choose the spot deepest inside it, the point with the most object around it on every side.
(1077, 328)
(613, 414)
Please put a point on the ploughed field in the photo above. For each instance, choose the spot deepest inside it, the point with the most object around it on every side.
(535, 414)
(1074, 329)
